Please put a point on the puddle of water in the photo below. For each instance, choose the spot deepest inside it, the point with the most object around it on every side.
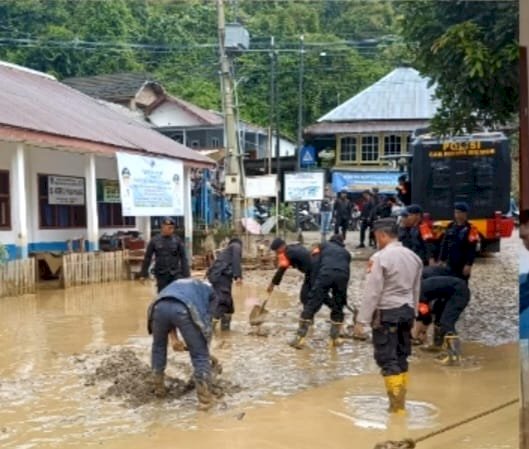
(52, 342)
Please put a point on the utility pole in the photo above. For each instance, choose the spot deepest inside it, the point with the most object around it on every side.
(300, 115)
(300, 92)
(232, 153)
(272, 104)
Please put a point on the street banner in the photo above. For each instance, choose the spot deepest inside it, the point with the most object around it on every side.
(304, 186)
(261, 186)
(150, 187)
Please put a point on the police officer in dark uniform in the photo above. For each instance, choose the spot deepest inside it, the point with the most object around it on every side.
(443, 299)
(458, 247)
(226, 269)
(171, 261)
(342, 214)
(414, 235)
(295, 256)
(331, 275)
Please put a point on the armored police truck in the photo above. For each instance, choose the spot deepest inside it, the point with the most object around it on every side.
(473, 168)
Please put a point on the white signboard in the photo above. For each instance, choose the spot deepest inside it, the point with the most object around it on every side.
(66, 190)
(261, 186)
(304, 186)
(150, 186)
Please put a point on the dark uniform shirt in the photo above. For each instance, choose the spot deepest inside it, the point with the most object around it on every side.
(458, 247)
(170, 257)
(411, 238)
(296, 256)
(333, 257)
(228, 263)
(342, 209)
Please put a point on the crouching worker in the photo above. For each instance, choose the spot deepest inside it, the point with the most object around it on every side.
(443, 299)
(390, 299)
(183, 306)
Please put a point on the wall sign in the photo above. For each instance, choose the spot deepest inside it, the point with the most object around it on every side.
(66, 190)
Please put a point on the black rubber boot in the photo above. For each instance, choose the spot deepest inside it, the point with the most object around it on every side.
(225, 322)
(303, 329)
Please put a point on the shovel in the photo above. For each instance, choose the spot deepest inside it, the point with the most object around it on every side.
(258, 313)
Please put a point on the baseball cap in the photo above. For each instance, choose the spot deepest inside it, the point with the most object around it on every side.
(168, 221)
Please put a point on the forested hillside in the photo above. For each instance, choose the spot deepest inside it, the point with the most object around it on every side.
(469, 48)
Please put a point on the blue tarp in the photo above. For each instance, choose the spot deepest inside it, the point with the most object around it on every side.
(357, 181)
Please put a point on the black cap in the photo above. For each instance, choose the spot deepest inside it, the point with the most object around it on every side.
(461, 206)
(168, 221)
(276, 244)
(414, 209)
(388, 225)
(404, 212)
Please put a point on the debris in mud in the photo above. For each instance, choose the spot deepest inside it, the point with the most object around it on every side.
(403, 444)
(132, 381)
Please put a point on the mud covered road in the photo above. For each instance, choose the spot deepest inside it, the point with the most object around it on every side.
(61, 386)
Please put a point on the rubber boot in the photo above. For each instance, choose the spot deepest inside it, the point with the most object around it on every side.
(452, 354)
(401, 395)
(206, 400)
(159, 385)
(299, 340)
(437, 344)
(335, 334)
(396, 393)
(215, 324)
(225, 322)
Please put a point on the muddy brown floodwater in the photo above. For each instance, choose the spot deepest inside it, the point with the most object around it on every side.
(74, 373)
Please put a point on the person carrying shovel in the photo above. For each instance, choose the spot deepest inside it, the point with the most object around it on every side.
(331, 271)
(296, 256)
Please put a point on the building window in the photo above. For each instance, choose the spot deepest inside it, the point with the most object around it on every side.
(348, 149)
(5, 204)
(408, 143)
(370, 148)
(109, 206)
(215, 142)
(392, 145)
(60, 215)
(110, 216)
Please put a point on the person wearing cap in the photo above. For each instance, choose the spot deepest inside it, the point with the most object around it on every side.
(184, 306)
(443, 300)
(330, 274)
(171, 261)
(391, 295)
(458, 246)
(343, 210)
(295, 256)
(416, 235)
(226, 269)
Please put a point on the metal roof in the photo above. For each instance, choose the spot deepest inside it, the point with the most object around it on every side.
(368, 126)
(403, 94)
(32, 104)
(110, 87)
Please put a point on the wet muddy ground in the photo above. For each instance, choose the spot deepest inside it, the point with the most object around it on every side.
(74, 370)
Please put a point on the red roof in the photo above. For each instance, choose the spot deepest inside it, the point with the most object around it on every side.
(203, 115)
(37, 108)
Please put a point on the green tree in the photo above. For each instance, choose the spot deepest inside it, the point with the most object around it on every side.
(469, 50)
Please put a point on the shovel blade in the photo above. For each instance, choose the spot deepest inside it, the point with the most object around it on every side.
(258, 315)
